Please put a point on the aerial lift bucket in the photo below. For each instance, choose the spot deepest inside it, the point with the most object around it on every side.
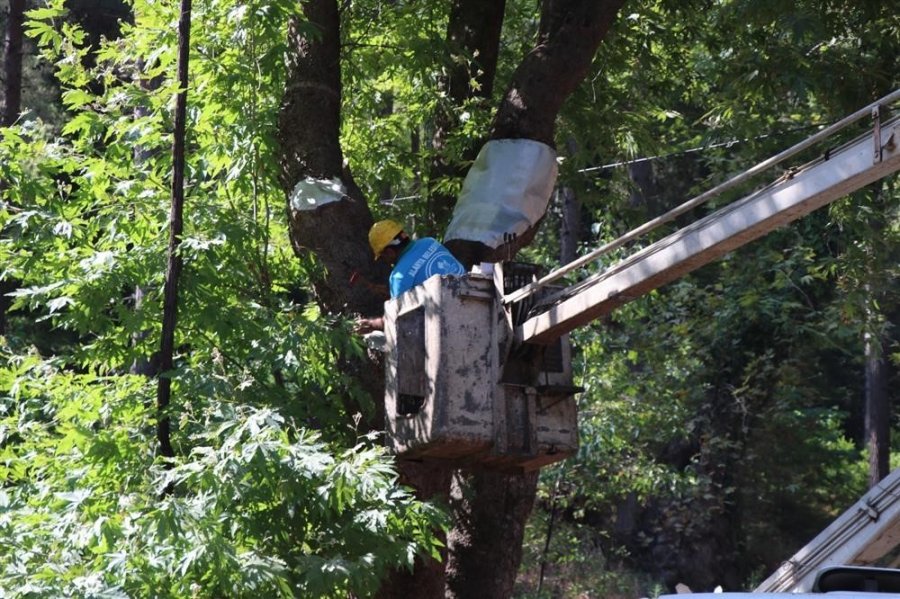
(460, 391)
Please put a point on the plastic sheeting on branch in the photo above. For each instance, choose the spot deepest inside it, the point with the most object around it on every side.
(505, 193)
(311, 193)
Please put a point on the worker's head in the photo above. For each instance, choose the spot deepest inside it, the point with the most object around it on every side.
(386, 238)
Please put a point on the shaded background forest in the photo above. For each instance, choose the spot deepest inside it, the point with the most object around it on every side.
(723, 422)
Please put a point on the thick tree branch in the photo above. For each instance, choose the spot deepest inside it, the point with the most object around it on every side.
(570, 32)
(473, 40)
(309, 124)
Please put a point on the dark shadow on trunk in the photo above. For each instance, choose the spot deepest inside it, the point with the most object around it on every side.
(12, 63)
(12, 94)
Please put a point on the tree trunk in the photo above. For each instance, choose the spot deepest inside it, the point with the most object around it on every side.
(309, 124)
(644, 193)
(878, 410)
(428, 579)
(492, 509)
(176, 224)
(12, 65)
(12, 94)
(570, 224)
(876, 346)
(486, 543)
(336, 233)
(147, 366)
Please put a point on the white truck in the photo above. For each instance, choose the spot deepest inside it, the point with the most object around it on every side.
(836, 582)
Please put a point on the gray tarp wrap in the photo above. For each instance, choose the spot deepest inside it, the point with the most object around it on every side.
(311, 193)
(505, 192)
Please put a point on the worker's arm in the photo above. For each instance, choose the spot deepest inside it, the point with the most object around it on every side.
(367, 325)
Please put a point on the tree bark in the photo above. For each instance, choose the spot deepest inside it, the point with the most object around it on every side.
(492, 508)
(336, 233)
(176, 225)
(12, 94)
(12, 64)
(428, 578)
(485, 545)
(309, 124)
(570, 224)
(147, 366)
(878, 410)
(570, 32)
(876, 347)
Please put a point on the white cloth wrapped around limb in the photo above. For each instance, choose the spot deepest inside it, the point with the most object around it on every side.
(311, 193)
(505, 193)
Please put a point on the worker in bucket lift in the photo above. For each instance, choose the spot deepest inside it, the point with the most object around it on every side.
(413, 262)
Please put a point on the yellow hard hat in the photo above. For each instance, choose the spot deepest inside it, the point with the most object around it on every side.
(381, 234)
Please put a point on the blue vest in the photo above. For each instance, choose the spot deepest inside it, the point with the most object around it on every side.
(421, 260)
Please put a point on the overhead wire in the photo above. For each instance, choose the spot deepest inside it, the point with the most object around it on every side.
(702, 198)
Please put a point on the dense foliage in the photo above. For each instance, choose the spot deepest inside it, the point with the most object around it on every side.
(259, 504)
(721, 423)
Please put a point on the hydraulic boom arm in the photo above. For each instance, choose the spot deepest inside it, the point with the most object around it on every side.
(867, 159)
